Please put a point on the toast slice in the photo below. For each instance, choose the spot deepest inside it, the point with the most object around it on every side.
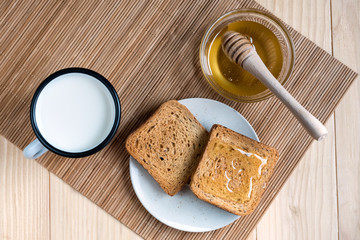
(169, 145)
(233, 171)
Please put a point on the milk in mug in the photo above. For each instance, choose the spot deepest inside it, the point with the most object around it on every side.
(75, 112)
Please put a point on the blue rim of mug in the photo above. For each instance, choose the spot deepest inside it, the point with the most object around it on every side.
(100, 146)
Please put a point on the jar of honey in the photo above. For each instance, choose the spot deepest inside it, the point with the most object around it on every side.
(272, 41)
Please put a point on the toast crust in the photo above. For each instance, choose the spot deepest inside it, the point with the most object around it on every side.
(169, 145)
(233, 171)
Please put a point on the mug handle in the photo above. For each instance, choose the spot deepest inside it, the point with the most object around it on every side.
(34, 150)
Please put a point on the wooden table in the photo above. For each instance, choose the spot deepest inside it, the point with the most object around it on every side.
(321, 200)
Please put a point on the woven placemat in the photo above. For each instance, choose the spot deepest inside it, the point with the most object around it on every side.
(149, 51)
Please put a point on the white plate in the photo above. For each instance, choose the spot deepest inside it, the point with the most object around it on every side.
(185, 211)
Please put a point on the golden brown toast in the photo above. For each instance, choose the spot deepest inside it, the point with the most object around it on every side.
(169, 145)
(233, 171)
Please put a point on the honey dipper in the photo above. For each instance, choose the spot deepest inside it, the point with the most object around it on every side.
(240, 50)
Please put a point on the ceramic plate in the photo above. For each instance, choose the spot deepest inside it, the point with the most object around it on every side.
(185, 211)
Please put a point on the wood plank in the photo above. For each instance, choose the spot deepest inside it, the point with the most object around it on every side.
(346, 39)
(73, 216)
(307, 205)
(24, 195)
(311, 18)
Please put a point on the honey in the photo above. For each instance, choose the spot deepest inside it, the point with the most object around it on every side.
(234, 171)
(232, 77)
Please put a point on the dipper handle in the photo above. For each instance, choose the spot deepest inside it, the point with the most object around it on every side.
(240, 50)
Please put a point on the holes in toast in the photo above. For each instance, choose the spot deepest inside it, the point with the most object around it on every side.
(217, 163)
(169, 169)
(161, 158)
(215, 145)
(151, 128)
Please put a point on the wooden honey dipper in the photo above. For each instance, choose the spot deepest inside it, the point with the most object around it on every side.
(240, 50)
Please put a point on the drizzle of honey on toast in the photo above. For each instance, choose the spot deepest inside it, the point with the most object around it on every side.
(234, 172)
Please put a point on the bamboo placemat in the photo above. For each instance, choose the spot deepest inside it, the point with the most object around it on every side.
(149, 51)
